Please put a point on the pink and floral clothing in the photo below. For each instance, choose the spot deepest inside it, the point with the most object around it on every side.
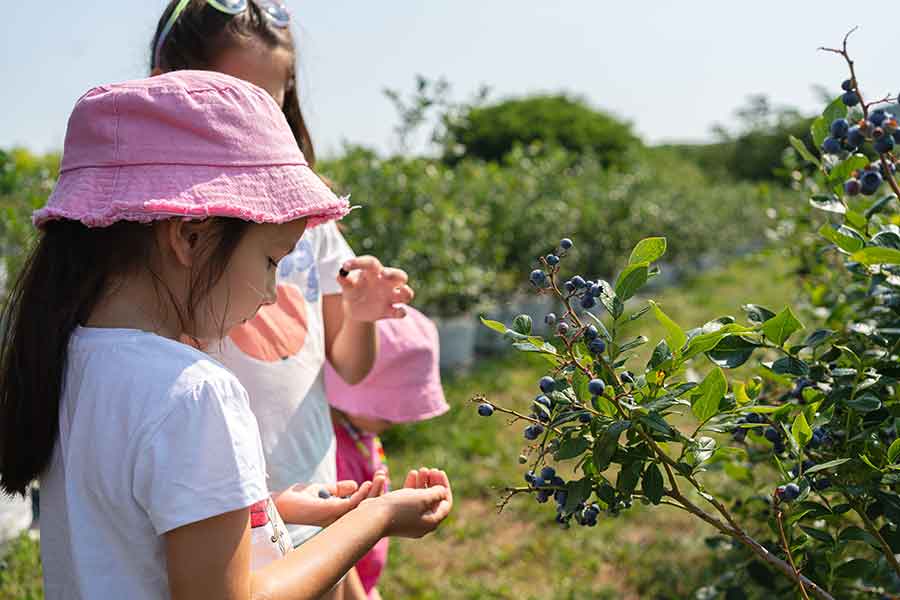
(359, 456)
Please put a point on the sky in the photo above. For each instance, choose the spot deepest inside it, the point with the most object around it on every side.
(673, 69)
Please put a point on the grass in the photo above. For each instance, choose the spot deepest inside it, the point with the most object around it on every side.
(521, 553)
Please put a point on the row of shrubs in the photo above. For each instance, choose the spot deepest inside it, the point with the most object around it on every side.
(466, 232)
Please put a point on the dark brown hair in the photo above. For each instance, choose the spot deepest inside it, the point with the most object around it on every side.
(67, 273)
(202, 33)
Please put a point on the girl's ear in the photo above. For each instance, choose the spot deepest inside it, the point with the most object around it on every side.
(185, 240)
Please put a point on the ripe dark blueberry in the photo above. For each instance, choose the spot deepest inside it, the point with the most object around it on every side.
(565, 244)
(877, 117)
(548, 473)
(569, 285)
(855, 137)
(791, 492)
(870, 182)
(597, 346)
(542, 399)
(562, 328)
(831, 146)
(542, 496)
(596, 387)
(839, 128)
(588, 302)
(579, 282)
(590, 333)
(884, 144)
(485, 410)
(852, 187)
(847, 85)
(547, 384)
(772, 434)
(532, 432)
(552, 260)
(538, 278)
(550, 319)
(850, 98)
(324, 494)
(755, 418)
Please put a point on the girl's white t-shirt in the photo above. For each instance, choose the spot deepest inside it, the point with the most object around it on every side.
(279, 356)
(153, 435)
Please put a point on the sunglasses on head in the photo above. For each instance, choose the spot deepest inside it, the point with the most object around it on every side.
(276, 12)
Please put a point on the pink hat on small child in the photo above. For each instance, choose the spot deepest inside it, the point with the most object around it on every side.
(190, 144)
(404, 385)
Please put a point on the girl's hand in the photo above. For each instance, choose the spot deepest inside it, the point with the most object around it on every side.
(323, 504)
(420, 506)
(371, 291)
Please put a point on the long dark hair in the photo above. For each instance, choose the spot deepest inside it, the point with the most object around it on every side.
(68, 272)
(202, 33)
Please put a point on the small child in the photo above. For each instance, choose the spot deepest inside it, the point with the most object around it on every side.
(404, 386)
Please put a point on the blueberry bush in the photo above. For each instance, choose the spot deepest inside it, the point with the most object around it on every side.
(786, 443)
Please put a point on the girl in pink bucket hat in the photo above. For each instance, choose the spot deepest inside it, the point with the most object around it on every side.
(319, 317)
(177, 198)
(404, 386)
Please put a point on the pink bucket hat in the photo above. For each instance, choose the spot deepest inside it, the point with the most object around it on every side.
(189, 144)
(404, 385)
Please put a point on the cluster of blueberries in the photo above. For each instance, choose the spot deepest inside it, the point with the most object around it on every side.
(548, 484)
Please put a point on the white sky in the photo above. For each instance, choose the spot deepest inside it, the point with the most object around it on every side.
(672, 68)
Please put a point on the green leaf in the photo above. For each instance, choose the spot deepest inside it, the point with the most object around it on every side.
(648, 250)
(522, 324)
(780, 327)
(865, 403)
(876, 255)
(495, 325)
(843, 237)
(894, 451)
(652, 483)
(675, 336)
(605, 447)
(571, 448)
(710, 394)
(804, 152)
(631, 280)
(828, 203)
(801, 431)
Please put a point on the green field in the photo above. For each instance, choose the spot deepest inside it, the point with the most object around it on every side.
(521, 552)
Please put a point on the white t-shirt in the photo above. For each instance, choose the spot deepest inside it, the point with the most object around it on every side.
(278, 357)
(153, 435)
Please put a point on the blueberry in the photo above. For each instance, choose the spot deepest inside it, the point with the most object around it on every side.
(597, 346)
(565, 244)
(548, 473)
(596, 387)
(852, 187)
(538, 278)
(562, 328)
(755, 418)
(884, 144)
(772, 434)
(847, 85)
(588, 302)
(855, 137)
(850, 98)
(584, 418)
(839, 128)
(877, 117)
(791, 492)
(547, 384)
(590, 333)
(870, 182)
(542, 399)
(552, 260)
(578, 281)
(485, 410)
(831, 146)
